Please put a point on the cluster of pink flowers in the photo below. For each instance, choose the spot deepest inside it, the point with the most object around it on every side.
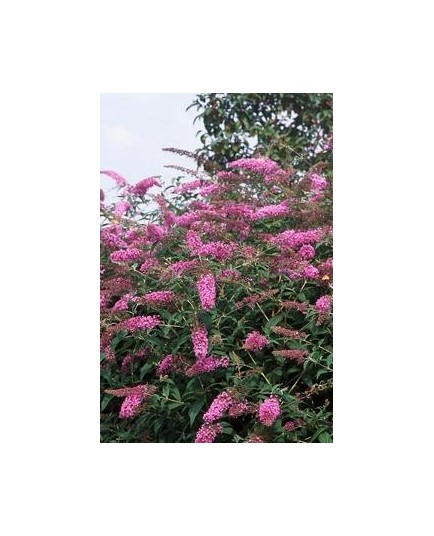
(225, 402)
(296, 355)
(269, 411)
(132, 235)
(319, 184)
(255, 341)
(207, 291)
(271, 211)
(112, 237)
(306, 252)
(294, 239)
(193, 241)
(230, 273)
(169, 218)
(209, 227)
(130, 358)
(134, 397)
(211, 189)
(155, 233)
(180, 267)
(208, 432)
(104, 299)
(255, 438)
(263, 166)
(126, 362)
(292, 425)
(249, 252)
(141, 187)
(256, 298)
(117, 284)
(139, 323)
(207, 364)
(219, 405)
(240, 210)
(165, 365)
(148, 265)
(310, 272)
(219, 250)
(290, 333)
(121, 208)
(239, 407)
(188, 218)
(229, 175)
(318, 181)
(299, 306)
(159, 297)
(188, 187)
(323, 304)
(199, 338)
(109, 354)
(126, 255)
(122, 303)
(130, 406)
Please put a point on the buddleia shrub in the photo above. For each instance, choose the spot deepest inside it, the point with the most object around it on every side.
(216, 322)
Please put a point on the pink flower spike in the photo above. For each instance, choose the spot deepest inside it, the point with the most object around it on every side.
(219, 405)
(130, 406)
(165, 365)
(199, 338)
(255, 341)
(323, 304)
(207, 291)
(208, 432)
(269, 411)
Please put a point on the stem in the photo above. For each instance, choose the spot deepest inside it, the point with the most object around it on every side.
(296, 381)
(319, 364)
(258, 304)
(171, 400)
(261, 373)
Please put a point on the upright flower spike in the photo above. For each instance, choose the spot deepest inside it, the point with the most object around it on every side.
(323, 304)
(208, 432)
(199, 338)
(269, 411)
(165, 365)
(207, 364)
(255, 341)
(138, 323)
(130, 406)
(219, 405)
(207, 291)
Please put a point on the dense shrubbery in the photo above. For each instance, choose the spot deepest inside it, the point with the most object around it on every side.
(216, 308)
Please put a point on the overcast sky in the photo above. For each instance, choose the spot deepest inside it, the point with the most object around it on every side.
(135, 127)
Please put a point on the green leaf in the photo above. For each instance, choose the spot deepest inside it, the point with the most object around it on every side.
(176, 394)
(174, 405)
(325, 437)
(195, 409)
(105, 402)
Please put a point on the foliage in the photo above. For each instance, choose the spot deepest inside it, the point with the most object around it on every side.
(288, 127)
(216, 308)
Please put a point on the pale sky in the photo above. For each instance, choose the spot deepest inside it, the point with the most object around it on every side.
(135, 127)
